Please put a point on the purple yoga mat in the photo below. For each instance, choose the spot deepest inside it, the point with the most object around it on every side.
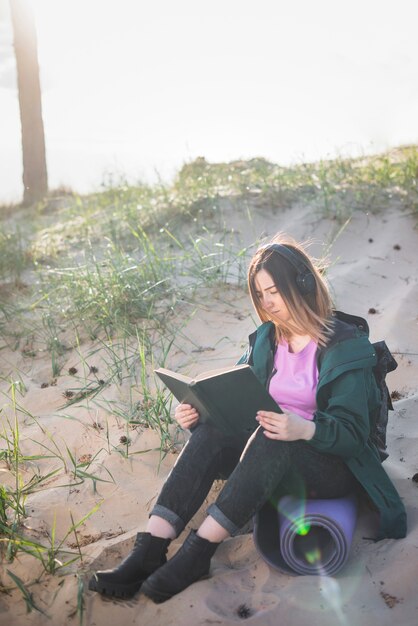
(306, 536)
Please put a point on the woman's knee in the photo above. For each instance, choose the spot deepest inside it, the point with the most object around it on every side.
(258, 444)
(206, 435)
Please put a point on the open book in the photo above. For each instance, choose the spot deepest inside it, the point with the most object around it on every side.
(229, 398)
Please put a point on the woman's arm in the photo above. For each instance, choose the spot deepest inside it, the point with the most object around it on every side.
(342, 426)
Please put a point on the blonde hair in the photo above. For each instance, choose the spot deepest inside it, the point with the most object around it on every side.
(311, 313)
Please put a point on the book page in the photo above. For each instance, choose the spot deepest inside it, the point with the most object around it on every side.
(166, 374)
(219, 372)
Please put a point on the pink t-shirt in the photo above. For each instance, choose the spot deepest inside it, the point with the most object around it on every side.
(293, 386)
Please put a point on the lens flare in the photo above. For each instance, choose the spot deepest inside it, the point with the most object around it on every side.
(313, 556)
(302, 527)
(327, 593)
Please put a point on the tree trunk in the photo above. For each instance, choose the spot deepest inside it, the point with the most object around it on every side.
(35, 180)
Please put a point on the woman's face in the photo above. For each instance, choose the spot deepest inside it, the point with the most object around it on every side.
(269, 297)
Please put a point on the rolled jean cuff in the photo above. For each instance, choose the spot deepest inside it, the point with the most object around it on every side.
(170, 517)
(222, 519)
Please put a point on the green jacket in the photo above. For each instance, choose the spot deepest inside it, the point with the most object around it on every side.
(347, 397)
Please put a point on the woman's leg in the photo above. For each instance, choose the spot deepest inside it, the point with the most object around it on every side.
(159, 527)
(207, 455)
(267, 464)
(264, 464)
(311, 475)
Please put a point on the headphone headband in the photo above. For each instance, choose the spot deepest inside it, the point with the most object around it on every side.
(305, 280)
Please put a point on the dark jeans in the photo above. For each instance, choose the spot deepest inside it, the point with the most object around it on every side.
(256, 469)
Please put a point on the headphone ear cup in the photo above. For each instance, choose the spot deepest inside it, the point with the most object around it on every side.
(305, 280)
(306, 283)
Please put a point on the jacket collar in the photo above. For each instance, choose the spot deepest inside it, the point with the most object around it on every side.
(350, 330)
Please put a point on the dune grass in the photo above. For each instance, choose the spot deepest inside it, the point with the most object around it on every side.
(118, 268)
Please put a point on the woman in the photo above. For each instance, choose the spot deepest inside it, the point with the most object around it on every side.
(318, 367)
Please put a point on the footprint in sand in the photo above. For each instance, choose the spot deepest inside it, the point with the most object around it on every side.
(237, 601)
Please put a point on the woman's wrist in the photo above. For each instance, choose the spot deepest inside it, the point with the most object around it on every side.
(310, 428)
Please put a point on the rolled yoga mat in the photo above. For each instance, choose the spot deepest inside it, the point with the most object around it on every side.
(306, 536)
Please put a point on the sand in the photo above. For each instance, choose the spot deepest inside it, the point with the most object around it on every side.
(373, 274)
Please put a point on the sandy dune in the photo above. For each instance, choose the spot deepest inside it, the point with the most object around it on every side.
(373, 274)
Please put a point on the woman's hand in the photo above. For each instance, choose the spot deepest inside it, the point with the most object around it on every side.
(285, 426)
(186, 416)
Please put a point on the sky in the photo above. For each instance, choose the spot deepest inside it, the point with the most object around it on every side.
(135, 88)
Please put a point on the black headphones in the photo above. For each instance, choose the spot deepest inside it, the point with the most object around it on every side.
(305, 280)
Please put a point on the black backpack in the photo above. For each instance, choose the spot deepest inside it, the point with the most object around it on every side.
(385, 364)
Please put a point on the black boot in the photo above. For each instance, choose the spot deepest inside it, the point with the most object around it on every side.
(124, 581)
(189, 564)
